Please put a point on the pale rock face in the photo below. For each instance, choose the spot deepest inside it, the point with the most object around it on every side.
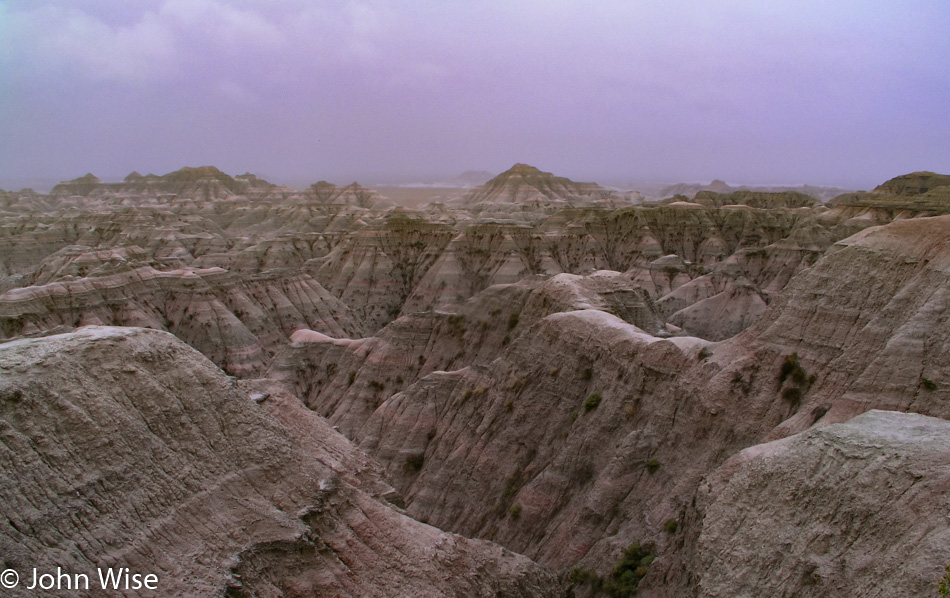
(126, 448)
(853, 509)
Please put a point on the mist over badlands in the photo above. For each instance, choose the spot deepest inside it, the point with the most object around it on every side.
(535, 387)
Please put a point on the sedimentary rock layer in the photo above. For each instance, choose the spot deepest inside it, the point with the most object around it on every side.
(123, 447)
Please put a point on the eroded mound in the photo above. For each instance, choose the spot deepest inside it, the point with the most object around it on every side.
(123, 447)
(853, 509)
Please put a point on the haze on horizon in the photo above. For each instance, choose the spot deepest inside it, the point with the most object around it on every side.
(847, 93)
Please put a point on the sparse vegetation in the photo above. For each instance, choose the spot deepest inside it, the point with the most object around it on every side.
(515, 511)
(943, 586)
(457, 325)
(703, 354)
(506, 340)
(653, 465)
(793, 395)
(671, 526)
(928, 384)
(414, 462)
(351, 379)
(588, 374)
(376, 385)
(625, 577)
(509, 406)
(518, 383)
(791, 368)
(512, 321)
(592, 400)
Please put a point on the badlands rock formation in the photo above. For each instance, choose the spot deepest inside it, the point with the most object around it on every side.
(607, 386)
(587, 434)
(125, 448)
(853, 509)
(527, 188)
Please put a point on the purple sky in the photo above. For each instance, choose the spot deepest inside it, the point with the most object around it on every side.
(846, 93)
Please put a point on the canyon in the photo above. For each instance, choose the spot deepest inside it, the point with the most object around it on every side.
(529, 387)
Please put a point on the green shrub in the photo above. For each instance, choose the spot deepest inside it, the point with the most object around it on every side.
(588, 374)
(592, 401)
(653, 465)
(671, 526)
(351, 379)
(943, 586)
(628, 572)
(515, 511)
(512, 321)
(509, 406)
(703, 354)
(928, 384)
(625, 577)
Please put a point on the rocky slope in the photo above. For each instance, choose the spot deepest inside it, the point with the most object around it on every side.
(587, 434)
(525, 187)
(850, 509)
(346, 380)
(125, 448)
(239, 324)
(577, 384)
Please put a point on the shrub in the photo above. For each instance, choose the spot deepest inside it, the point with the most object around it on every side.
(792, 394)
(592, 401)
(399, 380)
(351, 379)
(653, 465)
(509, 406)
(671, 526)
(512, 321)
(703, 354)
(929, 384)
(628, 572)
(515, 511)
(625, 577)
(376, 385)
(588, 374)
(791, 368)
(581, 575)
(414, 462)
(506, 340)
(943, 586)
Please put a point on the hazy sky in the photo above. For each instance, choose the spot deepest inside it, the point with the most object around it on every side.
(841, 93)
